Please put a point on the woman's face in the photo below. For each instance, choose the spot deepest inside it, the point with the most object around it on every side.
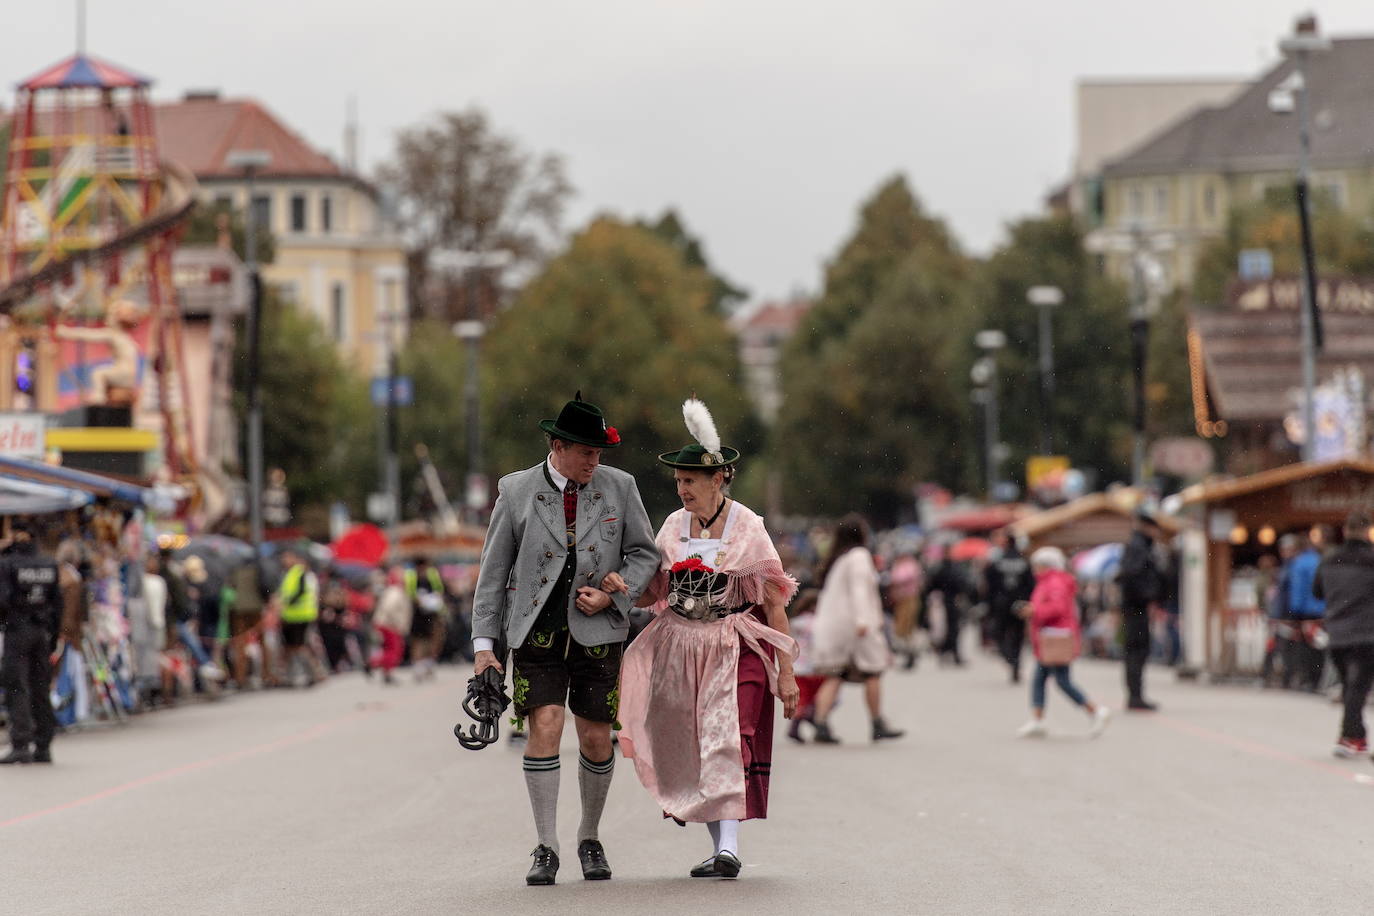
(699, 491)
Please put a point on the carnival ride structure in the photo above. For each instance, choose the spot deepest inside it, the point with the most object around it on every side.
(89, 220)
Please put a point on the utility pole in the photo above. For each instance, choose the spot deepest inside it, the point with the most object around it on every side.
(1304, 42)
(251, 162)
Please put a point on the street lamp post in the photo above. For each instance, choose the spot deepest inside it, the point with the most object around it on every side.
(984, 374)
(1046, 299)
(475, 488)
(251, 162)
(1305, 41)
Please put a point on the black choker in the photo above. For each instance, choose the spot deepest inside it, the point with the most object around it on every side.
(707, 526)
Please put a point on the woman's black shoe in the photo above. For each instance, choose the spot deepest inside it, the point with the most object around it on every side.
(823, 735)
(593, 858)
(727, 865)
(545, 866)
(706, 869)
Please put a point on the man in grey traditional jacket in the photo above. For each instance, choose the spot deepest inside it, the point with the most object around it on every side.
(556, 531)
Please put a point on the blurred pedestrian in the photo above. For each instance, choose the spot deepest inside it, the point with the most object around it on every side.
(391, 619)
(1345, 580)
(1008, 583)
(196, 603)
(904, 589)
(1056, 638)
(31, 612)
(1302, 661)
(956, 593)
(848, 642)
(1143, 587)
(429, 596)
(801, 621)
(298, 598)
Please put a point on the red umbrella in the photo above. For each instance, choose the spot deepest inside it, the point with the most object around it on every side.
(364, 543)
(970, 549)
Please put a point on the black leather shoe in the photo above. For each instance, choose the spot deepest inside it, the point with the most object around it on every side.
(727, 865)
(1142, 706)
(42, 755)
(593, 858)
(823, 735)
(706, 869)
(545, 866)
(17, 755)
(881, 730)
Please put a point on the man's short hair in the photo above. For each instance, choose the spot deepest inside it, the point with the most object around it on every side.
(1357, 524)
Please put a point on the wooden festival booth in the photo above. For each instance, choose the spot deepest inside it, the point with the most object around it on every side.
(1233, 524)
(1086, 522)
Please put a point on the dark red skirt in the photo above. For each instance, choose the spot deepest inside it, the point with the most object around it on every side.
(755, 732)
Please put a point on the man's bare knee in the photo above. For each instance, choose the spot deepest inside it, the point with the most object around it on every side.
(546, 731)
(593, 738)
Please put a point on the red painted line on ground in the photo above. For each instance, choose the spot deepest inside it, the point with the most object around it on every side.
(1253, 748)
(310, 734)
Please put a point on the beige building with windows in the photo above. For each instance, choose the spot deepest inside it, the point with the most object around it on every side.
(1178, 186)
(337, 254)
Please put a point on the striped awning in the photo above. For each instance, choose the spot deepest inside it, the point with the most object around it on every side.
(81, 71)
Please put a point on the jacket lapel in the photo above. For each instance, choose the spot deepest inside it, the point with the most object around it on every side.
(548, 505)
(589, 505)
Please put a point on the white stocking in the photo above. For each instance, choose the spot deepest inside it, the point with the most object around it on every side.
(728, 838)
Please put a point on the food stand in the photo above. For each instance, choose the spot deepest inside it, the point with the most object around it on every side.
(1234, 522)
(1086, 522)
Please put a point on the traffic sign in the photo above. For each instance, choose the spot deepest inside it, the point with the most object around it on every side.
(403, 390)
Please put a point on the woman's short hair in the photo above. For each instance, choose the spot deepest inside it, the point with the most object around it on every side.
(1049, 558)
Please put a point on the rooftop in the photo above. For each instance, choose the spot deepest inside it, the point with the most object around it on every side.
(1245, 135)
(199, 133)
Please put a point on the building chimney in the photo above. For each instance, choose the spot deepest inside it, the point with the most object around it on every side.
(202, 95)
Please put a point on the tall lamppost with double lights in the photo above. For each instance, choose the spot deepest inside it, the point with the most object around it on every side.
(984, 375)
(1046, 299)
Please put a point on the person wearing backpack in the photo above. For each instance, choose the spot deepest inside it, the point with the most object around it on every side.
(1056, 638)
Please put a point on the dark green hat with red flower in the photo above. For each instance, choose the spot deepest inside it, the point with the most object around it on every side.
(583, 423)
(706, 454)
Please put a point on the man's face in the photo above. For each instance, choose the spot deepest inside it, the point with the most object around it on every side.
(576, 462)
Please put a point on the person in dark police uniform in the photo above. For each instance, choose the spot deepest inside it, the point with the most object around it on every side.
(30, 611)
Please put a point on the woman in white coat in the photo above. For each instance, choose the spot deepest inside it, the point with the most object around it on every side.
(848, 642)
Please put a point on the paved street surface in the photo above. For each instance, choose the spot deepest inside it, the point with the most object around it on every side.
(354, 798)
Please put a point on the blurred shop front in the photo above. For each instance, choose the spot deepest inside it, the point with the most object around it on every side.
(1230, 552)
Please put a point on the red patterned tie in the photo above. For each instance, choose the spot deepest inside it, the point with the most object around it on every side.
(570, 511)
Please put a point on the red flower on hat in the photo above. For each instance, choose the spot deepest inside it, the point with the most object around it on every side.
(612, 436)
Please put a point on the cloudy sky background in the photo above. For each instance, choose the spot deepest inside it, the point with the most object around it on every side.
(764, 121)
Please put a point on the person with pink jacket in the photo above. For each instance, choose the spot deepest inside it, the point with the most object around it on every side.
(1056, 639)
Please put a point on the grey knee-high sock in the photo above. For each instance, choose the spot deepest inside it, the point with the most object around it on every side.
(595, 781)
(541, 779)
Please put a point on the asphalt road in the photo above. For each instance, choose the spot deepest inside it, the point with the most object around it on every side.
(355, 798)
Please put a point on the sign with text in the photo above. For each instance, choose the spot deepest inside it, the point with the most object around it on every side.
(22, 435)
(1349, 295)
(403, 391)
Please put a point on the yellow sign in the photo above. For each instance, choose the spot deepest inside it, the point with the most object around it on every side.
(1038, 467)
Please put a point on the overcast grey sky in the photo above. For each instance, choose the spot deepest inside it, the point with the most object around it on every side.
(764, 121)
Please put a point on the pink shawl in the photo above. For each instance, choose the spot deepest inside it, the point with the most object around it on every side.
(747, 557)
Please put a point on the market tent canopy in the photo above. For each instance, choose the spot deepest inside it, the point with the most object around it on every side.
(1098, 518)
(96, 485)
(21, 497)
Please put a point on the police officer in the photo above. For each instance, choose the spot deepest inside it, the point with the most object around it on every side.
(31, 605)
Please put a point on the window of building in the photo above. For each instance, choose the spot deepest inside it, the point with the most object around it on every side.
(1136, 203)
(1161, 201)
(338, 314)
(297, 212)
(224, 202)
(262, 211)
(326, 213)
(289, 291)
(1332, 192)
(1209, 201)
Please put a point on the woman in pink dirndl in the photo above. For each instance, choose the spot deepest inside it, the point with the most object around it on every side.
(697, 685)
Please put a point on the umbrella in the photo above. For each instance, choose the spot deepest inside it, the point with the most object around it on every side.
(22, 497)
(364, 544)
(970, 549)
(1098, 562)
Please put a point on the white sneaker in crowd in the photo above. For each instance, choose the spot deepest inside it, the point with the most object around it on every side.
(1035, 728)
(211, 672)
(1100, 717)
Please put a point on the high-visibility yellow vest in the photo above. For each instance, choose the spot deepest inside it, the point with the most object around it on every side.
(436, 582)
(299, 596)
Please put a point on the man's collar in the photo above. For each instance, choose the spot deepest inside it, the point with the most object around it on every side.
(558, 480)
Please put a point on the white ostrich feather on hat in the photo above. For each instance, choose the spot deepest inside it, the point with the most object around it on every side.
(700, 425)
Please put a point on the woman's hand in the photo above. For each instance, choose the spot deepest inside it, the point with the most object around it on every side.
(614, 583)
(788, 692)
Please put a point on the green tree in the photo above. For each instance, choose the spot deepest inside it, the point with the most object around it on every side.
(1342, 242)
(203, 228)
(875, 381)
(317, 424)
(725, 296)
(436, 362)
(622, 317)
(1091, 409)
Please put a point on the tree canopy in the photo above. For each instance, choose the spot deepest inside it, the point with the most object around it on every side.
(621, 316)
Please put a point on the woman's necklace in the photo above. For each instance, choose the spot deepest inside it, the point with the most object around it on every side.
(706, 526)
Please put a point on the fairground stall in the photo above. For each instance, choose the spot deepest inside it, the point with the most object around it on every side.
(1230, 551)
(1085, 523)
